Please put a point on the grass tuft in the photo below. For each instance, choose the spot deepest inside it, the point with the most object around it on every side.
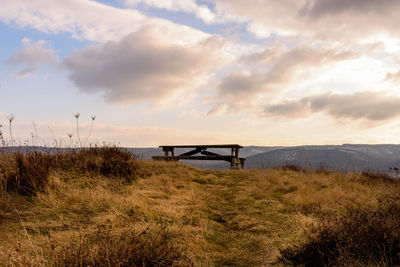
(367, 236)
(105, 161)
(381, 177)
(292, 167)
(107, 247)
(26, 174)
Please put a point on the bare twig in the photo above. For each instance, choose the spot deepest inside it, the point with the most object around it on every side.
(10, 119)
(36, 133)
(76, 115)
(90, 131)
(54, 136)
(3, 143)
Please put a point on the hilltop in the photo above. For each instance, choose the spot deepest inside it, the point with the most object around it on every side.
(97, 209)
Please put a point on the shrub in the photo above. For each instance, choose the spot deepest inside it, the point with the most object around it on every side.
(26, 174)
(106, 161)
(360, 237)
(380, 177)
(292, 167)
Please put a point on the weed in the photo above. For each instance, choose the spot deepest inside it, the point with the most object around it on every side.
(2, 141)
(10, 120)
(76, 115)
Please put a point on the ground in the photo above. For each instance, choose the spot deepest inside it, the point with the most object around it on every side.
(212, 218)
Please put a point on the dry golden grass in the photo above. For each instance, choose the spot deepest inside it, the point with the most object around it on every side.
(173, 215)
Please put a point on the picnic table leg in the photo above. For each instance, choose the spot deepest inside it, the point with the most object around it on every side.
(237, 157)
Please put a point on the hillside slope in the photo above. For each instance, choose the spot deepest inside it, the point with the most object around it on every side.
(346, 157)
(174, 215)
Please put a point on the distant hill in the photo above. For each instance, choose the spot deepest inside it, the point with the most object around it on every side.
(345, 157)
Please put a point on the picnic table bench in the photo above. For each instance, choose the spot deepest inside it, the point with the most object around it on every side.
(233, 158)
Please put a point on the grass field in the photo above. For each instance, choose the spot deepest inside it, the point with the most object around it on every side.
(170, 214)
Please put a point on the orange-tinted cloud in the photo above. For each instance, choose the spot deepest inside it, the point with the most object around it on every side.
(370, 106)
(270, 72)
(143, 66)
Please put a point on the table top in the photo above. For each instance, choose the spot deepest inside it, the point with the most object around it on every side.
(204, 146)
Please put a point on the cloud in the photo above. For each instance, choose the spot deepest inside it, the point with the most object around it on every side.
(88, 20)
(333, 20)
(393, 77)
(188, 6)
(331, 7)
(273, 70)
(32, 57)
(143, 66)
(369, 106)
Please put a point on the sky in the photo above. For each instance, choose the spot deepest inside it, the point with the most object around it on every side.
(157, 72)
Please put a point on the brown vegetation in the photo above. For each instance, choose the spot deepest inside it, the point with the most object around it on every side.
(360, 237)
(24, 173)
(28, 173)
(101, 206)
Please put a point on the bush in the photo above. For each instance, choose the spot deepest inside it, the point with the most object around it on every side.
(106, 161)
(379, 177)
(26, 174)
(292, 167)
(360, 237)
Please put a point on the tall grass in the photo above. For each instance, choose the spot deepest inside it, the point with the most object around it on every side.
(28, 173)
(104, 246)
(109, 161)
(359, 237)
(128, 247)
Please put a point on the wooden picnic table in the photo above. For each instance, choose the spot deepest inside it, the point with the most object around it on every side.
(233, 158)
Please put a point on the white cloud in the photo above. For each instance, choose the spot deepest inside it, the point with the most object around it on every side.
(32, 57)
(189, 6)
(393, 77)
(369, 106)
(272, 71)
(319, 8)
(88, 20)
(144, 66)
(333, 20)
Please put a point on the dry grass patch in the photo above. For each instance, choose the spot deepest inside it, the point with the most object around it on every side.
(172, 212)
